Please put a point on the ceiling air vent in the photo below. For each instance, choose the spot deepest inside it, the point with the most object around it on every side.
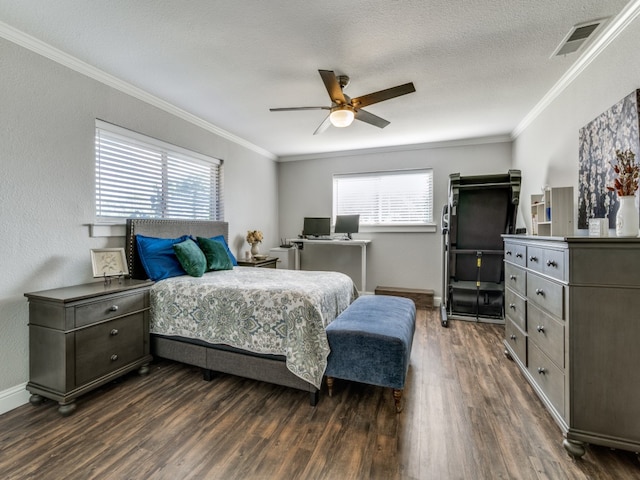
(577, 37)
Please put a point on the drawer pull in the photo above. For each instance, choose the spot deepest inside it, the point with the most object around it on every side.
(114, 332)
(512, 277)
(512, 306)
(540, 292)
(533, 259)
(542, 371)
(551, 263)
(508, 252)
(114, 308)
(518, 255)
(512, 337)
(114, 357)
(540, 328)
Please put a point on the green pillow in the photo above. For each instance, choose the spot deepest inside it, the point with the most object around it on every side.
(191, 257)
(216, 254)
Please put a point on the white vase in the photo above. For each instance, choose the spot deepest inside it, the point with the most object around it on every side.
(627, 218)
(254, 249)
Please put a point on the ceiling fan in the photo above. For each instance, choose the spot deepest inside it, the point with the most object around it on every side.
(344, 109)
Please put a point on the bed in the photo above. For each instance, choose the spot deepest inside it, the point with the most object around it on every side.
(282, 314)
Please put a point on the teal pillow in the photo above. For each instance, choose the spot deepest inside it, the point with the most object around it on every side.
(216, 254)
(191, 257)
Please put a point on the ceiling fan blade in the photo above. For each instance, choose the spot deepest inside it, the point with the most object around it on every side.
(370, 118)
(333, 87)
(323, 126)
(289, 109)
(382, 95)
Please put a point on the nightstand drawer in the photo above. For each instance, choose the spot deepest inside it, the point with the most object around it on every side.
(114, 306)
(547, 333)
(108, 346)
(546, 294)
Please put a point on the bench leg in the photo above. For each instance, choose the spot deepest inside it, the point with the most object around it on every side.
(397, 398)
(330, 385)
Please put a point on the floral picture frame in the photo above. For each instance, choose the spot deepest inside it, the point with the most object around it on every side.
(109, 262)
(615, 129)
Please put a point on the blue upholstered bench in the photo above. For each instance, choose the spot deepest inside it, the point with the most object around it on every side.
(371, 343)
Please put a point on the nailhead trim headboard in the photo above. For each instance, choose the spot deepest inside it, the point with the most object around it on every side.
(166, 229)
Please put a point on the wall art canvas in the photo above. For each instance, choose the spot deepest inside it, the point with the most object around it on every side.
(617, 128)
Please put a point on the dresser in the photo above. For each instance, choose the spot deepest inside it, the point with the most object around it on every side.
(84, 336)
(572, 326)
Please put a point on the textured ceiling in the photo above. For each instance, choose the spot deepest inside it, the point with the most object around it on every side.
(479, 66)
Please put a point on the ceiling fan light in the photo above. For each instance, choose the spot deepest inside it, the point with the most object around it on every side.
(341, 117)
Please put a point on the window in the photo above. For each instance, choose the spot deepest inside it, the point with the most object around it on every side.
(401, 198)
(139, 176)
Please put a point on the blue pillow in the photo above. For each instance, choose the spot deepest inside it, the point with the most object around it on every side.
(220, 238)
(158, 257)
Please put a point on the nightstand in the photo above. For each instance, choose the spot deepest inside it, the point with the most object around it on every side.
(269, 262)
(84, 336)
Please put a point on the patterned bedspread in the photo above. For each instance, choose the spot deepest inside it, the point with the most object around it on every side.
(263, 310)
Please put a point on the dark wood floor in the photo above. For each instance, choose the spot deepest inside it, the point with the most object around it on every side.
(469, 414)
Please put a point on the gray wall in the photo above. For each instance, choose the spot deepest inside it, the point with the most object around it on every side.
(547, 150)
(411, 260)
(47, 113)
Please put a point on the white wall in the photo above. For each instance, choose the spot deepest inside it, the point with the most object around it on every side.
(547, 150)
(411, 260)
(48, 113)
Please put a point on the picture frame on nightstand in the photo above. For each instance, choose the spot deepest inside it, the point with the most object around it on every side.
(109, 262)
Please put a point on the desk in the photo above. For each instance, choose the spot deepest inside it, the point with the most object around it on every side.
(362, 244)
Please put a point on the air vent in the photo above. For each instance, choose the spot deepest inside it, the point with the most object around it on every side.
(578, 35)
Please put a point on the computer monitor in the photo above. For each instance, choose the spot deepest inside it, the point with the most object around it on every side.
(316, 226)
(347, 224)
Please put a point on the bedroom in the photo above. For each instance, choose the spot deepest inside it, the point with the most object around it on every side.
(48, 113)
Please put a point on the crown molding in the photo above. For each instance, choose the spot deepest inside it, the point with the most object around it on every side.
(463, 142)
(41, 48)
(608, 35)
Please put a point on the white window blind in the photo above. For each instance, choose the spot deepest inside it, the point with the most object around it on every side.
(393, 198)
(139, 176)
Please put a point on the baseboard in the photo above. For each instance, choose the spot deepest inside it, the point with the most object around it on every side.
(13, 397)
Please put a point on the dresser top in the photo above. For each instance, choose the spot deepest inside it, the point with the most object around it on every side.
(87, 290)
(574, 239)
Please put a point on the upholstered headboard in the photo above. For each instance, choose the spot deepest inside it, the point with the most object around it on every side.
(166, 229)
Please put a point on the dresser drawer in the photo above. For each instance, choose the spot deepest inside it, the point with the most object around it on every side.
(547, 333)
(515, 308)
(553, 263)
(517, 340)
(547, 294)
(547, 376)
(114, 306)
(108, 346)
(515, 278)
(515, 253)
(535, 257)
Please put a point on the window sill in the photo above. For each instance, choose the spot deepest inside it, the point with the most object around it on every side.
(431, 228)
(107, 230)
